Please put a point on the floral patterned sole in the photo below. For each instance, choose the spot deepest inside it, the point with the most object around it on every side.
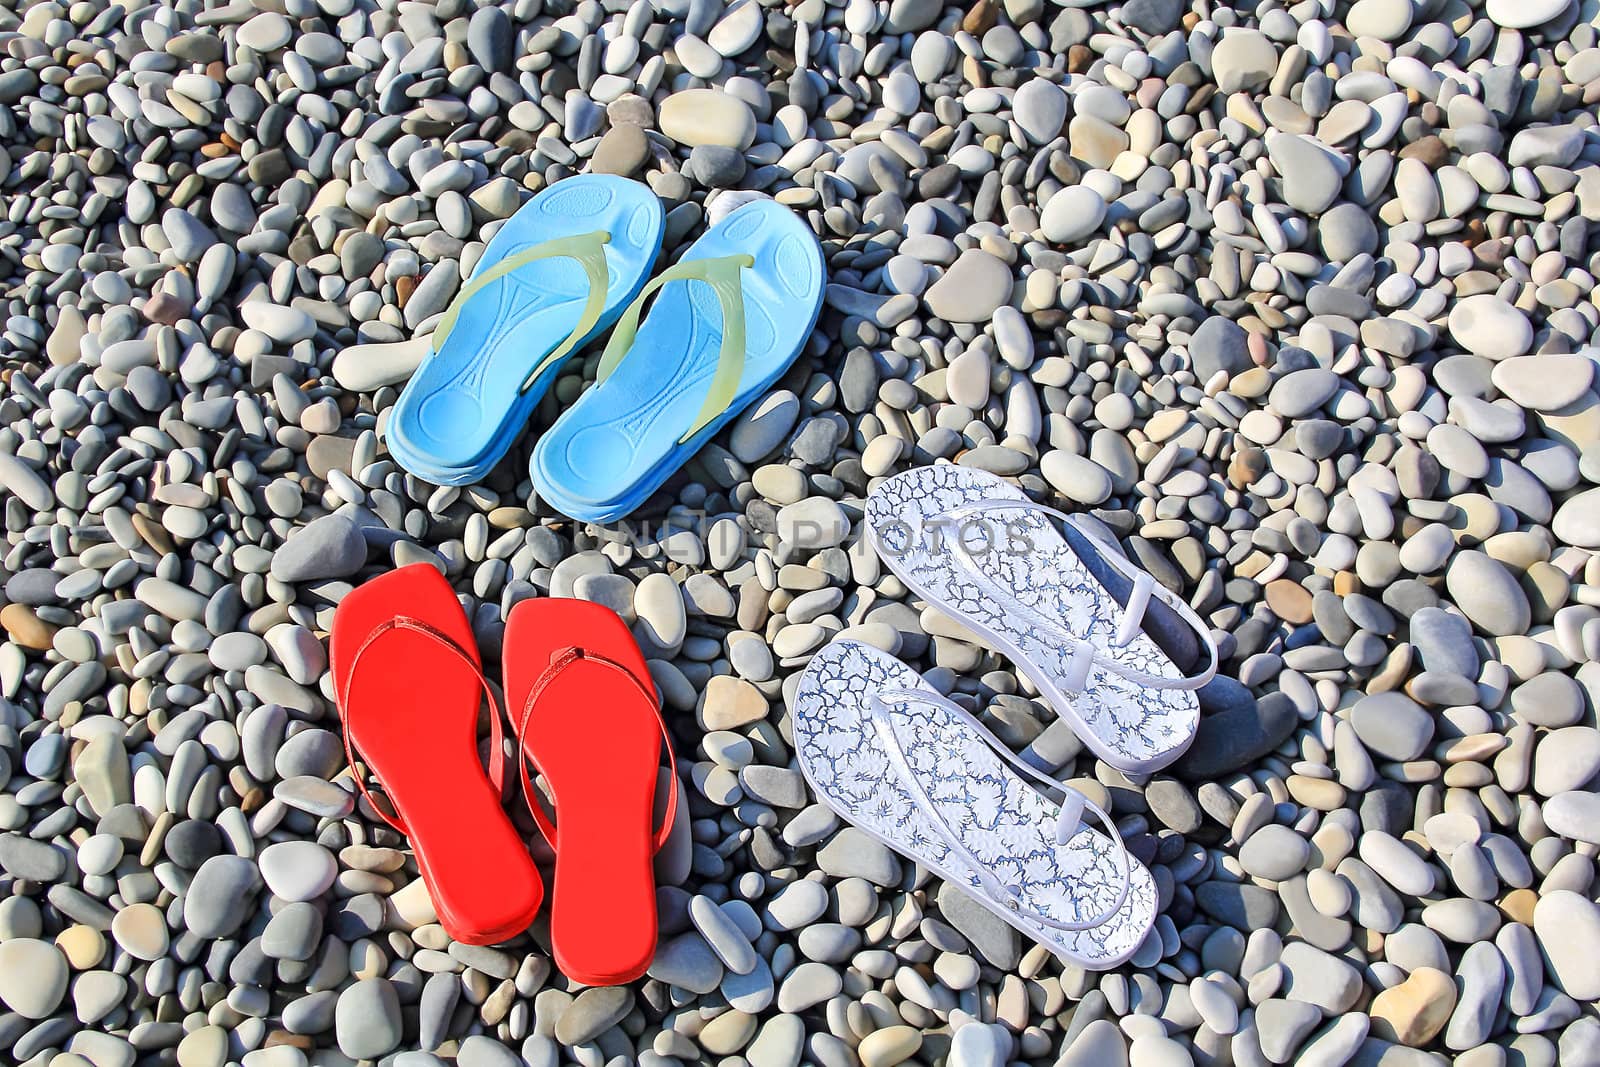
(1033, 571)
(963, 803)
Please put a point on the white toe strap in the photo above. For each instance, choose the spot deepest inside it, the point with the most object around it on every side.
(1069, 823)
(1078, 667)
(1132, 621)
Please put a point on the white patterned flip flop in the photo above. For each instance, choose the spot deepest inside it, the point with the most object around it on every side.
(1065, 605)
(888, 753)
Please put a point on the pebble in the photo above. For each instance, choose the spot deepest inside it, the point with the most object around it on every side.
(141, 930)
(697, 117)
(993, 939)
(1396, 864)
(1244, 907)
(687, 961)
(1040, 109)
(738, 28)
(1274, 853)
(813, 523)
(1316, 977)
(1373, 18)
(1443, 641)
(329, 547)
(33, 977)
(367, 1021)
(1485, 325)
(24, 482)
(205, 1046)
(1152, 16)
(1243, 59)
(34, 861)
(1567, 926)
(624, 150)
(808, 985)
(979, 1045)
(730, 703)
(1480, 980)
(1488, 594)
(212, 904)
(593, 1013)
(1077, 478)
(798, 905)
(852, 854)
(750, 993)
(1523, 16)
(1392, 726)
(778, 1044)
(1283, 1025)
(1151, 1050)
(1072, 214)
(297, 870)
(1295, 300)
(1218, 345)
(723, 935)
(971, 290)
(1574, 814)
(367, 367)
(1577, 521)
(1236, 736)
(1544, 382)
(1099, 1042)
(266, 32)
(1311, 174)
(889, 1046)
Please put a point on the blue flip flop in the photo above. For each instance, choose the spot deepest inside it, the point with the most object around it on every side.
(556, 274)
(728, 320)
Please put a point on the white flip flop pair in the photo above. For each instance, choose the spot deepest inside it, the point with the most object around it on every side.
(1094, 633)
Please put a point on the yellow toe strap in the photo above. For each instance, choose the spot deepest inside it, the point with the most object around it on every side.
(722, 274)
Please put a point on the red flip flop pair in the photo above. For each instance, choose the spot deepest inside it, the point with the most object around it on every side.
(409, 682)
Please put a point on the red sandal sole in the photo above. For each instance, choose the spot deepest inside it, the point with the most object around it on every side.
(598, 744)
(411, 712)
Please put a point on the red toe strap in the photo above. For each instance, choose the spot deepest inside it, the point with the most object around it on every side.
(496, 731)
(560, 662)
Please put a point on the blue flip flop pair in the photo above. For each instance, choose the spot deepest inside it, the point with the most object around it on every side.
(726, 322)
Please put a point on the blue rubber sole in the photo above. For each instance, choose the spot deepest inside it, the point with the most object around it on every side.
(619, 442)
(465, 406)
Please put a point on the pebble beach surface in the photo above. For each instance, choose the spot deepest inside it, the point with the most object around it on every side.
(1292, 296)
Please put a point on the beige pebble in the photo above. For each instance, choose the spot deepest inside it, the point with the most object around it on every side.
(83, 946)
(1412, 1012)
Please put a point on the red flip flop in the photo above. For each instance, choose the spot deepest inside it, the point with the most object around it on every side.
(408, 682)
(586, 716)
